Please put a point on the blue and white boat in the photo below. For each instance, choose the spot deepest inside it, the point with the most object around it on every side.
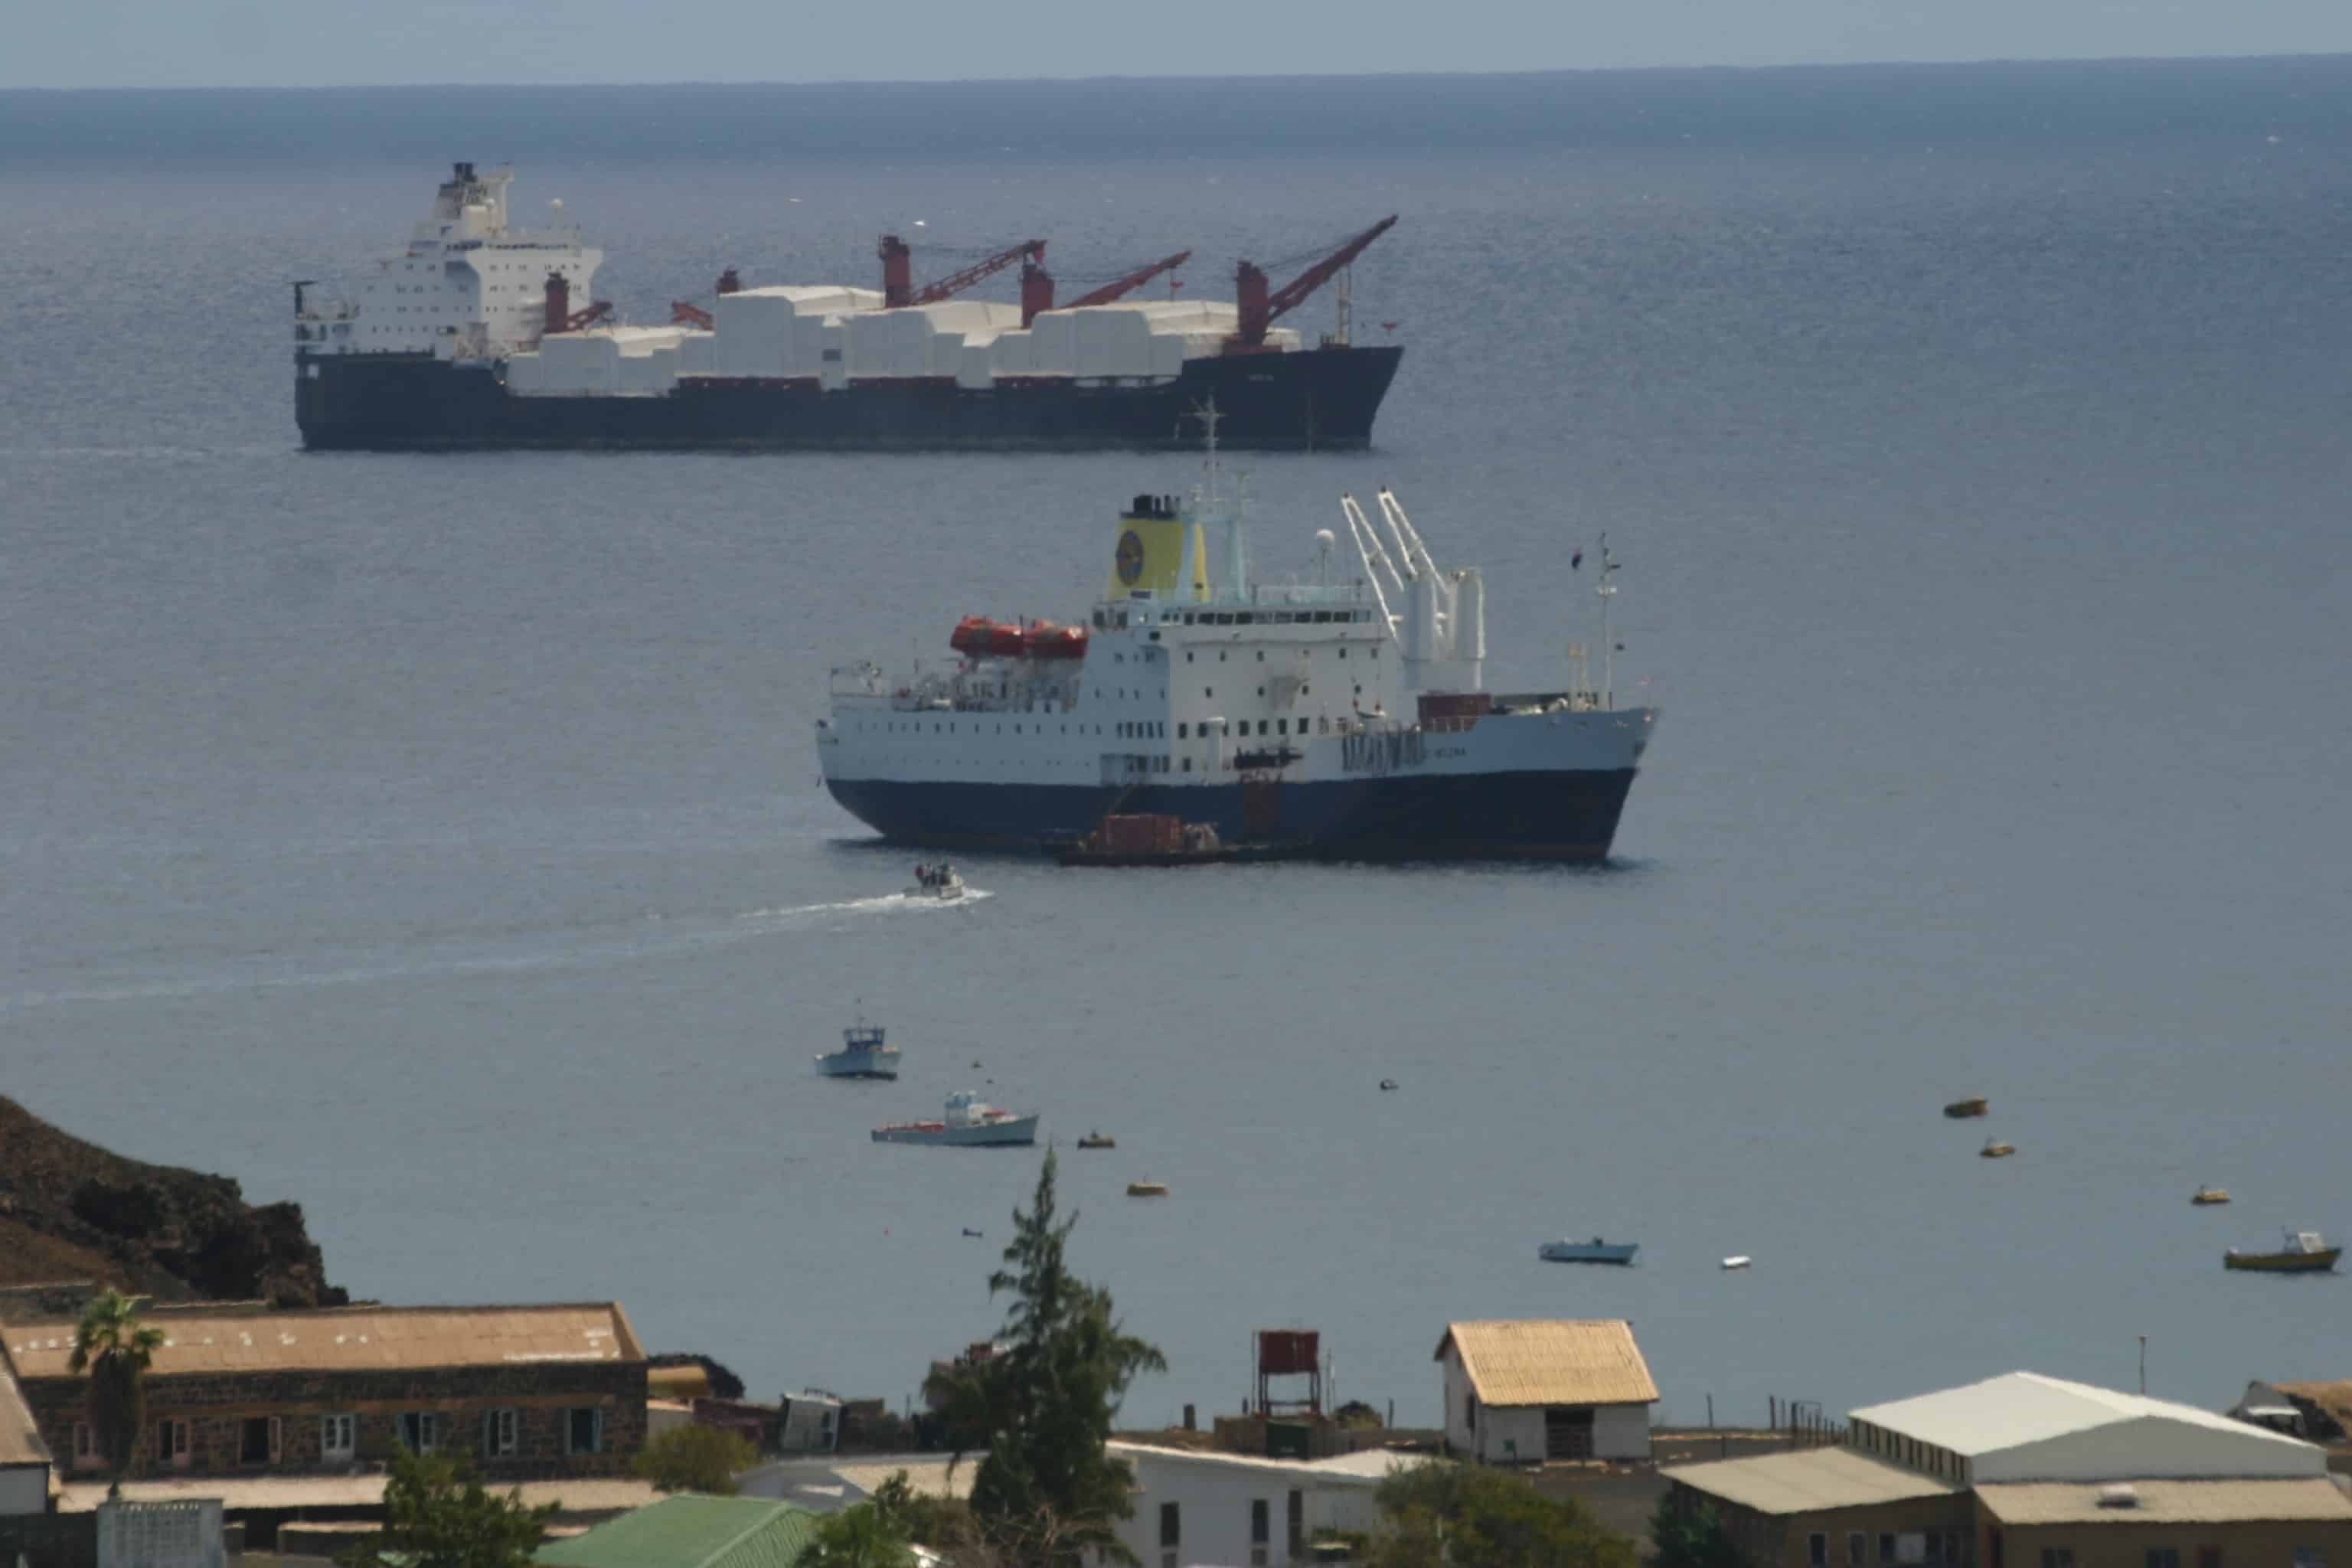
(1593, 1251)
(864, 1054)
(970, 1122)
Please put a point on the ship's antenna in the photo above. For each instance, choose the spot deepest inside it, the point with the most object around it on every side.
(1608, 592)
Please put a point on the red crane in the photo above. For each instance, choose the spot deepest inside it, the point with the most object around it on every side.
(1130, 283)
(1260, 308)
(559, 317)
(1037, 286)
(898, 283)
(684, 313)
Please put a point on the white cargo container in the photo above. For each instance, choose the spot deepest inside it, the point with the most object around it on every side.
(1053, 337)
(832, 354)
(974, 368)
(1012, 353)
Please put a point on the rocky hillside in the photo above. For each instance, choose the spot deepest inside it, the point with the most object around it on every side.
(71, 1209)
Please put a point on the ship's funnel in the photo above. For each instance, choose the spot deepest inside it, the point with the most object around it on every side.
(1156, 555)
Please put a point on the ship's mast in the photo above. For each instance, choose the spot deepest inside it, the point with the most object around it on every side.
(1607, 589)
(1209, 499)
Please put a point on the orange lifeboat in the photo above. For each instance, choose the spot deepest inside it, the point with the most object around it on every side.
(977, 637)
(1044, 639)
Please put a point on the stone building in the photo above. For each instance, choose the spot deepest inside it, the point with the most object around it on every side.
(528, 1392)
(2026, 1471)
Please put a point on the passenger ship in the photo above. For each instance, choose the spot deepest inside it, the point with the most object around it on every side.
(1341, 717)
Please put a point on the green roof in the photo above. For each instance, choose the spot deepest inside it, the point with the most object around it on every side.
(689, 1531)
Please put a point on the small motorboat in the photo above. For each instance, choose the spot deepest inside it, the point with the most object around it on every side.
(1097, 1140)
(940, 882)
(1388, 1085)
(2205, 1196)
(1147, 1189)
(970, 1122)
(973, 1233)
(2303, 1252)
(1994, 1149)
(864, 1054)
(1593, 1251)
(1737, 1260)
(1977, 1105)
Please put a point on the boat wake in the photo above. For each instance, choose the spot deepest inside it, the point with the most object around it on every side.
(649, 937)
(884, 904)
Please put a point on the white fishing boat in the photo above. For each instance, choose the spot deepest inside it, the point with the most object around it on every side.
(1593, 1251)
(968, 1122)
(864, 1054)
(940, 882)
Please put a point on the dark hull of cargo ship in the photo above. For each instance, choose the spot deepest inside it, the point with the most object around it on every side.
(1434, 816)
(1312, 400)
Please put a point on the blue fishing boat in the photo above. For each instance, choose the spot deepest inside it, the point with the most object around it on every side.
(1593, 1251)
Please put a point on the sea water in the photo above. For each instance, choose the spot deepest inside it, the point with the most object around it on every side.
(438, 841)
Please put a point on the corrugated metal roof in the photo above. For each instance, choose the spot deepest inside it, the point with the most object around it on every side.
(928, 1478)
(588, 1496)
(2306, 1497)
(691, 1532)
(1808, 1481)
(1552, 1361)
(354, 1339)
(2021, 1408)
(20, 1440)
(1366, 1469)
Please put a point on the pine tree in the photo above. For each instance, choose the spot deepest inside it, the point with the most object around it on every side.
(1049, 1489)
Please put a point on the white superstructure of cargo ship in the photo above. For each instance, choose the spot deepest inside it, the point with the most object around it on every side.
(1343, 715)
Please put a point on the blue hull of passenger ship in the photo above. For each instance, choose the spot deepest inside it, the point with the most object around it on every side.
(1434, 816)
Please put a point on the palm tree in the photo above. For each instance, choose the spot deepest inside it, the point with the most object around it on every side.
(114, 1347)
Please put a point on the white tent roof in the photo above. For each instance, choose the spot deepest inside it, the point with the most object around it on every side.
(2021, 1408)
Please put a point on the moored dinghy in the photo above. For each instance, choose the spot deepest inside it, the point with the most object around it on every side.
(2205, 1196)
(1593, 1251)
(1995, 1149)
(2302, 1252)
(1976, 1105)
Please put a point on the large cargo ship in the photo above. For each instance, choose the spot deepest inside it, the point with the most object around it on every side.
(1343, 716)
(470, 339)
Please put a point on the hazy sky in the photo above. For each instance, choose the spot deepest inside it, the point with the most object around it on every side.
(319, 42)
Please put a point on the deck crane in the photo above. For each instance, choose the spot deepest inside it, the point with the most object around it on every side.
(686, 313)
(1037, 286)
(559, 317)
(897, 279)
(1260, 308)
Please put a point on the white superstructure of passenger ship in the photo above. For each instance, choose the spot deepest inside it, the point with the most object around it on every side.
(1345, 715)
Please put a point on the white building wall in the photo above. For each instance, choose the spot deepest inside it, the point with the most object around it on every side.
(1515, 1433)
(1212, 1502)
(2150, 1448)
